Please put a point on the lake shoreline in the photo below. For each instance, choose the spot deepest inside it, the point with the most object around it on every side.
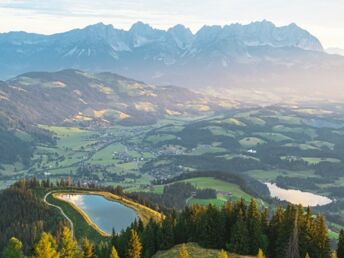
(82, 213)
(143, 212)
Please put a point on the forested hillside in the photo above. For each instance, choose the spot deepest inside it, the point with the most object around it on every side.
(25, 216)
(239, 227)
(17, 140)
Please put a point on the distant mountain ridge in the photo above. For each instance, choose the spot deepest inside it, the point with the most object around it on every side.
(103, 46)
(335, 51)
(256, 55)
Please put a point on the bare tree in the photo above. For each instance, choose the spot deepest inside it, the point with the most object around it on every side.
(293, 245)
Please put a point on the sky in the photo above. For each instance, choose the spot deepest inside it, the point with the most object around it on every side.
(323, 18)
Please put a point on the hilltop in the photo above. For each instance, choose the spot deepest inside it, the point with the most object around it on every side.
(73, 96)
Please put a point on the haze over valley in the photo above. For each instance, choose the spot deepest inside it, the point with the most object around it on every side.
(234, 59)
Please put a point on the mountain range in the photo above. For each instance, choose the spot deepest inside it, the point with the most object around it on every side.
(335, 51)
(257, 55)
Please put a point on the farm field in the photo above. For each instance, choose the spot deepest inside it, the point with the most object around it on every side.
(249, 142)
(312, 160)
(219, 186)
(271, 175)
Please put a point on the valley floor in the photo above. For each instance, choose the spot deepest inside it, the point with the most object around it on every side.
(295, 148)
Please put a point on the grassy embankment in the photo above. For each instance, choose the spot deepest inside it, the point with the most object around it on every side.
(81, 227)
(195, 251)
(84, 226)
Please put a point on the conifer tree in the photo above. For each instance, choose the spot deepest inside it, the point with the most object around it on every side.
(113, 253)
(14, 249)
(101, 250)
(275, 230)
(222, 254)
(193, 219)
(135, 246)
(166, 234)
(239, 236)
(265, 220)
(254, 227)
(183, 252)
(321, 240)
(307, 233)
(46, 247)
(149, 239)
(69, 248)
(260, 253)
(87, 248)
(212, 229)
(340, 248)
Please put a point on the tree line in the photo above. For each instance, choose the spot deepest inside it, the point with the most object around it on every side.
(238, 227)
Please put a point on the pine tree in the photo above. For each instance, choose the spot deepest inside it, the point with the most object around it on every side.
(101, 250)
(286, 243)
(113, 253)
(260, 253)
(239, 236)
(69, 245)
(149, 239)
(275, 231)
(212, 229)
(307, 233)
(135, 246)
(46, 247)
(254, 227)
(265, 220)
(87, 248)
(340, 248)
(222, 254)
(321, 240)
(166, 234)
(14, 249)
(183, 252)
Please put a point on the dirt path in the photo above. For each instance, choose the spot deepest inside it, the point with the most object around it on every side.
(62, 212)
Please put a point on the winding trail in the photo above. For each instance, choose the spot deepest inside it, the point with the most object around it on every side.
(62, 212)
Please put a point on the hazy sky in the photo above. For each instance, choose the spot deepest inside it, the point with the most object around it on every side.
(323, 18)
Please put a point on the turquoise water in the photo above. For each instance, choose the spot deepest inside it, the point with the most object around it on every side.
(104, 213)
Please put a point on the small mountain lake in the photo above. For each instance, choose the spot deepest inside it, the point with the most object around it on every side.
(104, 213)
(297, 196)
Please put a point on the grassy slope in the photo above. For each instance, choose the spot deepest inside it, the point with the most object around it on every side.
(70, 137)
(206, 182)
(195, 251)
(248, 142)
(218, 185)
